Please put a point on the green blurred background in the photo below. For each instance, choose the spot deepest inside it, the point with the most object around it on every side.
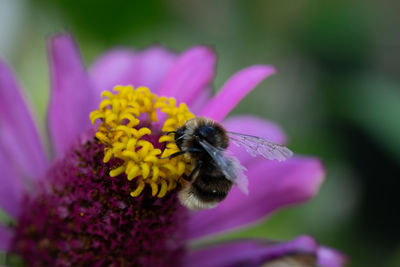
(337, 93)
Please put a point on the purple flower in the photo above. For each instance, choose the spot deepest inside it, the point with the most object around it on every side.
(72, 210)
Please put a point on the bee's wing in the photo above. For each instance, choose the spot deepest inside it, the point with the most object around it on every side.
(241, 179)
(229, 165)
(259, 146)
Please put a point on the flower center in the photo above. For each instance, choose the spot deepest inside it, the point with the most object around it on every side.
(81, 216)
(129, 124)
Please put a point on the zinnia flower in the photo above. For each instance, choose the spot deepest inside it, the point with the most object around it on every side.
(106, 198)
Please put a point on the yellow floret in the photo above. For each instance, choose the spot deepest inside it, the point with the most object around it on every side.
(126, 117)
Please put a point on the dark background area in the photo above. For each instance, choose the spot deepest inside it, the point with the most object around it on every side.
(337, 93)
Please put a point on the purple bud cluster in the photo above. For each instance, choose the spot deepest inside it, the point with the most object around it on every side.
(80, 216)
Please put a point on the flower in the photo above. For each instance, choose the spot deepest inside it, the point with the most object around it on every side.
(80, 208)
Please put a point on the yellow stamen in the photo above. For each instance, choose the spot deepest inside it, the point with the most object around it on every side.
(126, 118)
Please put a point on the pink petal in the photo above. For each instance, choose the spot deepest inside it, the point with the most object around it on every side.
(249, 253)
(328, 257)
(125, 67)
(253, 126)
(201, 100)
(234, 90)
(5, 238)
(11, 188)
(191, 73)
(72, 94)
(116, 67)
(153, 66)
(19, 138)
(272, 185)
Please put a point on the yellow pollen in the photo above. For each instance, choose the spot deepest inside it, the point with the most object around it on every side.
(127, 118)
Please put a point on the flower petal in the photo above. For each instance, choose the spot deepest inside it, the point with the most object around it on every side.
(236, 88)
(153, 66)
(125, 67)
(251, 252)
(191, 73)
(201, 100)
(5, 238)
(72, 94)
(253, 126)
(115, 67)
(272, 185)
(328, 257)
(19, 138)
(11, 187)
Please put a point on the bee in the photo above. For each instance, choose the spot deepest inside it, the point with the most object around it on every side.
(205, 142)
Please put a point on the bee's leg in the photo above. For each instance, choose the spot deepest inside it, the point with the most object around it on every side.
(182, 152)
(189, 177)
(175, 155)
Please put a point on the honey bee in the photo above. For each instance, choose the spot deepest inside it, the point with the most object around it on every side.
(205, 141)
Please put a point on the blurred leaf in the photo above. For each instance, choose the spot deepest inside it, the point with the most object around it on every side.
(336, 34)
(395, 261)
(110, 20)
(374, 104)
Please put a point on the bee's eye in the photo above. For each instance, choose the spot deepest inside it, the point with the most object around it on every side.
(180, 132)
(206, 131)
